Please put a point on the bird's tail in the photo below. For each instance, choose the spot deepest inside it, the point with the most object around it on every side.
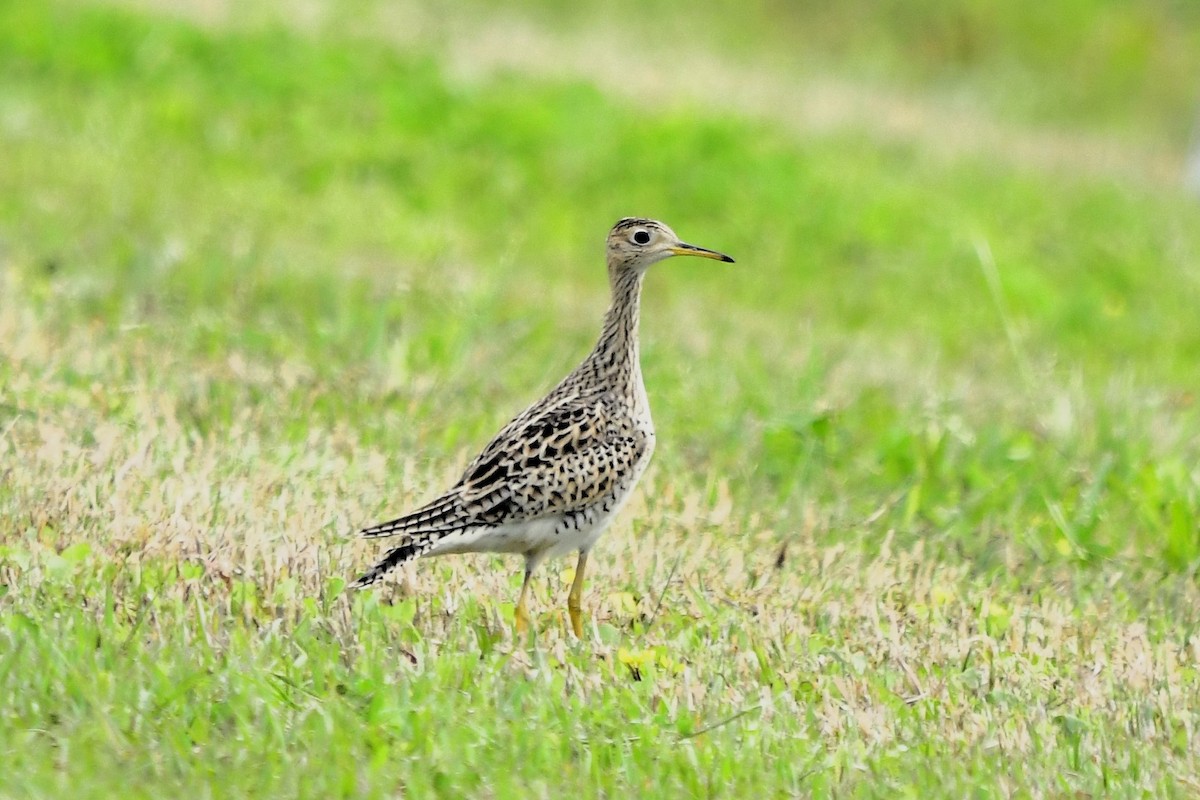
(420, 529)
(438, 514)
(413, 548)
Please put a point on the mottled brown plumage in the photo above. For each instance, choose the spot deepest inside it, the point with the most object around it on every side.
(553, 478)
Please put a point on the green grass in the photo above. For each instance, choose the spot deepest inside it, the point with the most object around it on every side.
(262, 285)
(1127, 68)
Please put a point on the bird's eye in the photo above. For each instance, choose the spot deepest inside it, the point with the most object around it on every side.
(641, 237)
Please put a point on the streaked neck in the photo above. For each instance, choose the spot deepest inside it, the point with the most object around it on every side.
(617, 348)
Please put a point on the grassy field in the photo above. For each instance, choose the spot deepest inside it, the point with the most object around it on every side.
(924, 518)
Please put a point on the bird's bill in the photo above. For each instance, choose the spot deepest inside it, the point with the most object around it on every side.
(683, 249)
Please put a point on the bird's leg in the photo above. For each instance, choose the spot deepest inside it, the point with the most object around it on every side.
(521, 615)
(576, 593)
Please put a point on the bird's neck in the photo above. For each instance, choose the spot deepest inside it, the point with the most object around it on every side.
(617, 350)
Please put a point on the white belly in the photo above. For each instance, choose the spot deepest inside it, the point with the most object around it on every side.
(515, 537)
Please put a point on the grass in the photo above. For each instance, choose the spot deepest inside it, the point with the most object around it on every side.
(924, 517)
(1127, 68)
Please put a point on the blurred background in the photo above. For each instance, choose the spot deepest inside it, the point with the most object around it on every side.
(1125, 69)
(965, 301)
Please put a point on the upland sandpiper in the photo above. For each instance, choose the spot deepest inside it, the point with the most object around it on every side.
(556, 475)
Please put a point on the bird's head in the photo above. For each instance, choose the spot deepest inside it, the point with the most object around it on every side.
(635, 244)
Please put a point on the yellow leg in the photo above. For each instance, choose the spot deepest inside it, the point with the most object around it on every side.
(521, 615)
(576, 592)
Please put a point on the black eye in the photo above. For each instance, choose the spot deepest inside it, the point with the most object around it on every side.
(641, 237)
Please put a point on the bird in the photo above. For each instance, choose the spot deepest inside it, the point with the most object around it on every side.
(556, 475)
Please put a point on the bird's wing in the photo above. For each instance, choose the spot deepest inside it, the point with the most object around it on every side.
(561, 455)
(556, 458)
